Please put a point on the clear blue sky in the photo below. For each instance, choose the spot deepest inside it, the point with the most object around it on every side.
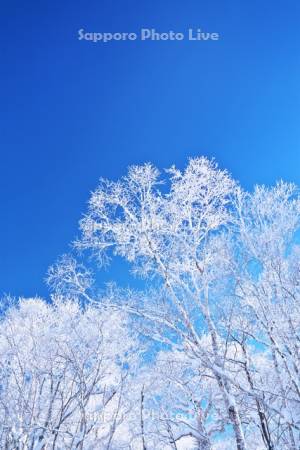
(72, 111)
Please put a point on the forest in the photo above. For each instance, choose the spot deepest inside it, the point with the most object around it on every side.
(202, 353)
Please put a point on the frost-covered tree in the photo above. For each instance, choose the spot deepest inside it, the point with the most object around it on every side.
(63, 373)
(224, 266)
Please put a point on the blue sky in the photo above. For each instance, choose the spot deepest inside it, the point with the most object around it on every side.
(73, 111)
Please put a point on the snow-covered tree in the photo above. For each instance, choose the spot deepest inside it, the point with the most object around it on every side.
(218, 259)
(63, 374)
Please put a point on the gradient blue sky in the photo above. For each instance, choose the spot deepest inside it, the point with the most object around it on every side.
(73, 111)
